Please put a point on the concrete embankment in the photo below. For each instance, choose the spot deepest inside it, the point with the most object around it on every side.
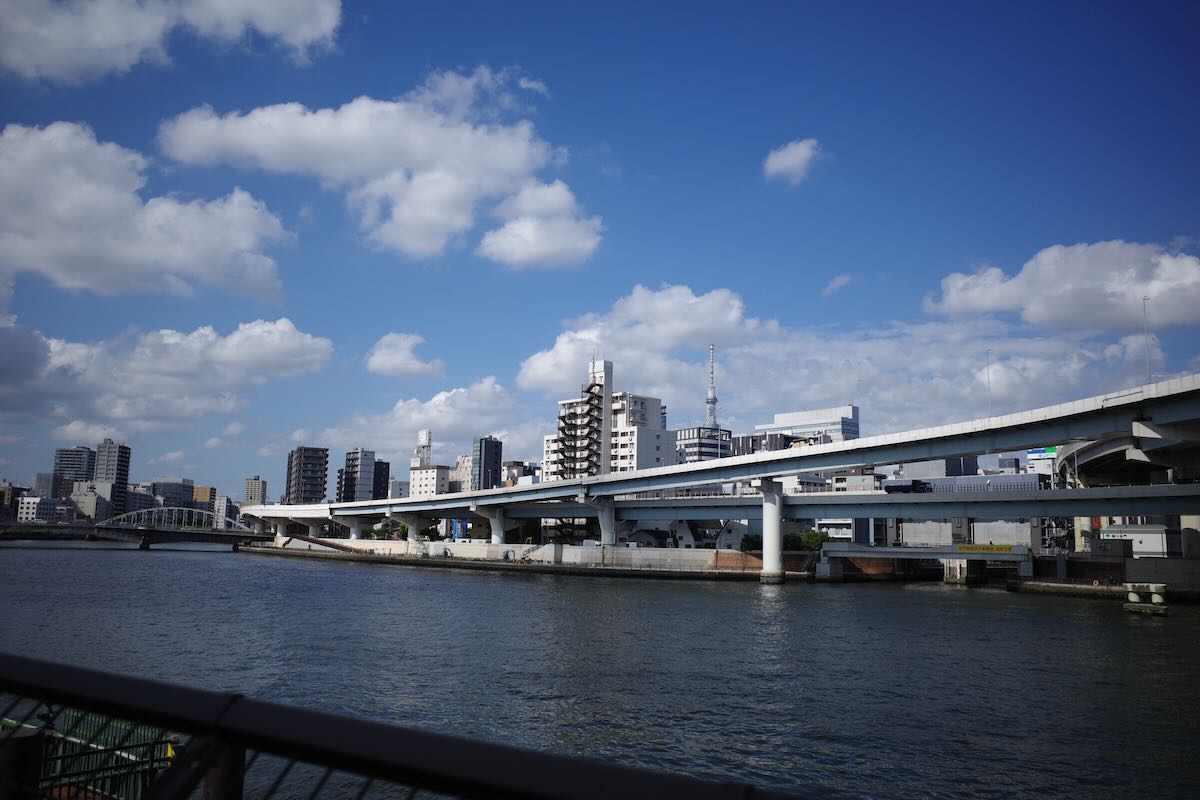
(442, 562)
(1098, 591)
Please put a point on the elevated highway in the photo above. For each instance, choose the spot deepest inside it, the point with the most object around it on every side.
(1155, 411)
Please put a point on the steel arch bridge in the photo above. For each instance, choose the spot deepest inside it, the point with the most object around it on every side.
(173, 518)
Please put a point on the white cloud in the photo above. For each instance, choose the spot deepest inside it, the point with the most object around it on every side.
(160, 379)
(533, 85)
(913, 374)
(1083, 287)
(792, 161)
(414, 169)
(233, 428)
(838, 282)
(70, 210)
(542, 228)
(168, 458)
(457, 417)
(300, 435)
(213, 442)
(80, 40)
(393, 355)
(78, 431)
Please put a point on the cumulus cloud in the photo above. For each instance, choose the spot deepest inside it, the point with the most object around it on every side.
(77, 431)
(792, 161)
(233, 428)
(160, 379)
(1082, 287)
(415, 169)
(168, 458)
(213, 442)
(70, 210)
(393, 355)
(456, 416)
(913, 373)
(543, 228)
(838, 282)
(74, 41)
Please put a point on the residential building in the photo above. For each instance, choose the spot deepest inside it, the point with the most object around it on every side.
(702, 444)
(430, 480)
(10, 495)
(583, 443)
(204, 497)
(839, 423)
(112, 466)
(356, 480)
(35, 509)
(72, 464)
(225, 512)
(639, 438)
(487, 470)
(92, 501)
(381, 481)
(398, 488)
(307, 475)
(256, 492)
(460, 475)
(513, 471)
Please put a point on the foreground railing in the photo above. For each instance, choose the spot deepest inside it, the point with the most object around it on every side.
(230, 746)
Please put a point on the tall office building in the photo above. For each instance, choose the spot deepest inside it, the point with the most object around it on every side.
(112, 465)
(72, 464)
(835, 424)
(357, 479)
(486, 465)
(256, 491)
(383, 474)
(307, 475)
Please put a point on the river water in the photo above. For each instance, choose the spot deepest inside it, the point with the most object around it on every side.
(896, 690)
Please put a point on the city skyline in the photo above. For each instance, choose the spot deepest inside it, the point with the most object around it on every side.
(925, 215)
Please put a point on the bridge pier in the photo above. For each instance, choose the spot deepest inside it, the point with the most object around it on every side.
(964, 571)
(497, 522)
(772, 538)
(144, 544)
(606, 513)
(314, 531)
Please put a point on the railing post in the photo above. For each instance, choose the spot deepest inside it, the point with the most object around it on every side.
(225, 781)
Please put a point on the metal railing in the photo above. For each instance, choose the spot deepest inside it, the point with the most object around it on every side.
(232, 746)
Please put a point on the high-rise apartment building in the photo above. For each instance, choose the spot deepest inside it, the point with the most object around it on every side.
(256, 491)
(639, 439)
(487, 471)
(225, 512)
(307, 475)
(356, 480)
(582, 444)
(72, 464)
(112, 465)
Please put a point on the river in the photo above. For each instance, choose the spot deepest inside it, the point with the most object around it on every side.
(887, 690)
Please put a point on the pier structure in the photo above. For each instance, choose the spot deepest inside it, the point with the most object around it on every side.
(1154, 412)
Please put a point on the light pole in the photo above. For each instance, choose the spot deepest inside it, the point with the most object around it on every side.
(1146, 335)
(987, 355)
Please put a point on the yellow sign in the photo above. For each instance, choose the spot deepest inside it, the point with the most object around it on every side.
(984, 548)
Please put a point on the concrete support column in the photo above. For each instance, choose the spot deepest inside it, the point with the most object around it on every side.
(281, 528)
(495, 518)
(355, 525)
(259, 527)
(772, 538)
(314, 530)
(413, 523)
(607, 514)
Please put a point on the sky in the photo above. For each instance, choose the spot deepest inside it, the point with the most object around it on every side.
(228, 228)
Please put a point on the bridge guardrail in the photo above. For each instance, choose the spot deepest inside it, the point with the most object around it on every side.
(237, 746)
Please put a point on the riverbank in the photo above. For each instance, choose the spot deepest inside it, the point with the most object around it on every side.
(533, 568)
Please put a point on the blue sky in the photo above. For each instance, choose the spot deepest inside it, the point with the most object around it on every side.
(481, 195)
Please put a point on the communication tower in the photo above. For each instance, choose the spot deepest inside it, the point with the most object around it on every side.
(711, 402)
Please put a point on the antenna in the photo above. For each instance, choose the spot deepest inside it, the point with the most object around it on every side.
(711, 401)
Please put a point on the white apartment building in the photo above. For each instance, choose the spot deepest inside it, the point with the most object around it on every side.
(639, 438)
(35, 509)
(460, 474)
(225, 511)
(429, 481)
(398, 488)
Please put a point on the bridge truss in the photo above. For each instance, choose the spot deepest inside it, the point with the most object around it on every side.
(173, 518)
